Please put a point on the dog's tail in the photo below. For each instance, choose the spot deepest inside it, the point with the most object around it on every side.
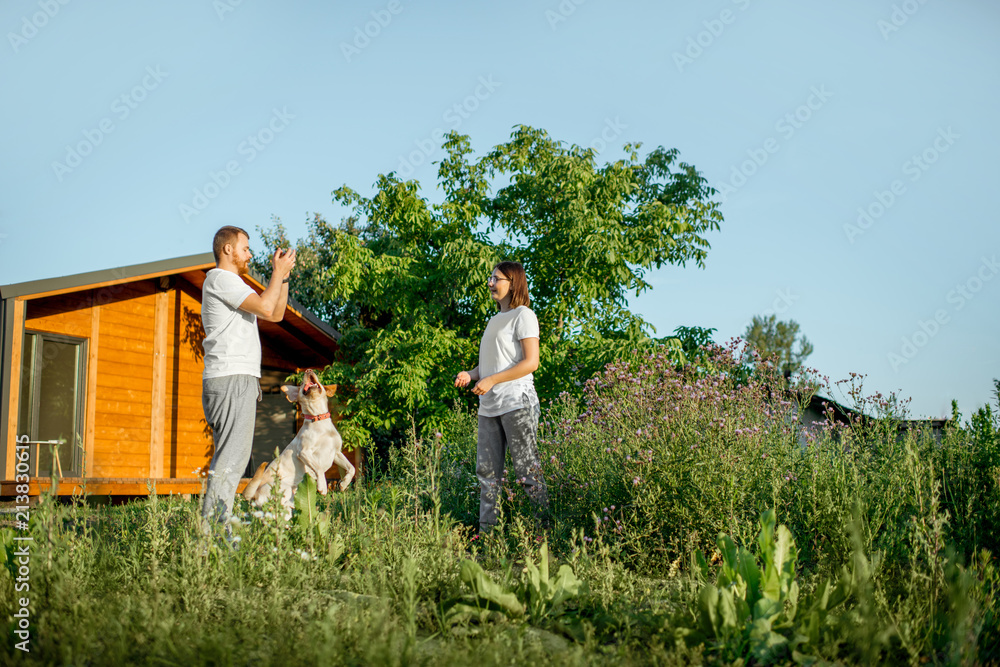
(258, 477)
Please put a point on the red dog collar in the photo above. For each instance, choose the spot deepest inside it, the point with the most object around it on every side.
(309, 418)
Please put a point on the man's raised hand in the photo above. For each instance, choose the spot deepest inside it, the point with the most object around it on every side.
(283, 261)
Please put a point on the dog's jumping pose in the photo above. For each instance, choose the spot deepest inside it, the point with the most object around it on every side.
(314, 449)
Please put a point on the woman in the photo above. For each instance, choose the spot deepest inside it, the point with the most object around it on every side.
(508, 405)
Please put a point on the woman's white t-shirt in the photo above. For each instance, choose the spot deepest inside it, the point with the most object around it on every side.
(501, 349)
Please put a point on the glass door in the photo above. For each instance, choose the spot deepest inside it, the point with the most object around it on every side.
(53, 369)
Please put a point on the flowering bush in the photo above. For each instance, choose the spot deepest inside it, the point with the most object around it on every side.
(666, 456)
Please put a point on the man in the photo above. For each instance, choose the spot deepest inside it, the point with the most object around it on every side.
(231, 382)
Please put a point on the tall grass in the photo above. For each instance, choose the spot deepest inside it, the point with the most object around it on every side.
(644, 472)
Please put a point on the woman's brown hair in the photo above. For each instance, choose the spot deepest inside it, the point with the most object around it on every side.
(518, 283)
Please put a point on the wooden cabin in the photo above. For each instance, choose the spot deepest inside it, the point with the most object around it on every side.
(110, 364)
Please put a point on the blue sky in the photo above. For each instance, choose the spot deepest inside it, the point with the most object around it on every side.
(855, 143)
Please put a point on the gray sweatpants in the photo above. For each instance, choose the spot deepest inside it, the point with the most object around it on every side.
(518, 431)
(230, 404)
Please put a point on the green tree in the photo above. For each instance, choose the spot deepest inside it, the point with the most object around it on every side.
(775, 341)
(404, 280)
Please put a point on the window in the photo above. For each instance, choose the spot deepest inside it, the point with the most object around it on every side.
(53, 370)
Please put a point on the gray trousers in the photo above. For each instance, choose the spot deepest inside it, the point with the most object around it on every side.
(230, 404)
(517, 431)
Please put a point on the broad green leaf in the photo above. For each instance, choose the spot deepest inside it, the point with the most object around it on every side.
(728, 572)
(336, 548)
(708, 612)
(487, 592)
(765, 539)
(729, 620)
(779, 554)
(566, 587)
(305, 501)
(765, 643)
(749, 576)
(322, 525)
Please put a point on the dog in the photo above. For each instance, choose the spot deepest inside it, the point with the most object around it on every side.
(315, 448)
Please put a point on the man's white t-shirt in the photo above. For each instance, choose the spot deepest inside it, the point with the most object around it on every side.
(501, 349)
(232, 344)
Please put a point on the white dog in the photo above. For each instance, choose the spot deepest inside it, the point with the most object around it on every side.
(315, 448)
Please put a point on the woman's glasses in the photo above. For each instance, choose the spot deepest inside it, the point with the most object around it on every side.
(492, 280)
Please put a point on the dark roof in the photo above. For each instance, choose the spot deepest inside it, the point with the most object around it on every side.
(840, 412)
(120, 274)
(844, 414)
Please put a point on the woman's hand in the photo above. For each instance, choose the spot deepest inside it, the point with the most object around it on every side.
(463, 379)
(483, 386)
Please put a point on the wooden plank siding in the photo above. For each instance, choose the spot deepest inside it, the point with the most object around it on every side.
(188, 443)
(17, 342)
(160, 353)
(124, 401)
(90, 417)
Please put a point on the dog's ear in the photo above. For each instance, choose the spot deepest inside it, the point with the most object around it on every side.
(331, 389)
(291, 392)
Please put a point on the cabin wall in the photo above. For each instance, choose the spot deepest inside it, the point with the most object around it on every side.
(188, 442)
(123, 417)
(123, 374)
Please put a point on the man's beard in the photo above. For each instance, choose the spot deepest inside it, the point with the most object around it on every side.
(244, 268)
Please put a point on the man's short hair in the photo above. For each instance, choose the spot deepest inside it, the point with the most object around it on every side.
(227, 234)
